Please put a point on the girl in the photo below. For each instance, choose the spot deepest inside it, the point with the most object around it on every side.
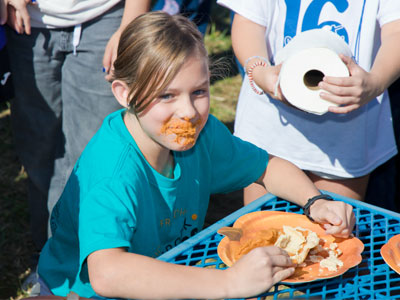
(142, 184)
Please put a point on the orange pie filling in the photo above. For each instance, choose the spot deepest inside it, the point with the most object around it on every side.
(300, 243)
(184, 131)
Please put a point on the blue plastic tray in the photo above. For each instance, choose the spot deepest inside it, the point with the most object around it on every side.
(371, 279)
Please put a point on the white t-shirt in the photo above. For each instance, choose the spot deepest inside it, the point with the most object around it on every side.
(345, 145)
(66, 13)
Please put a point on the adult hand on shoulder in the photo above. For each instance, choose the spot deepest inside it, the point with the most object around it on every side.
(350, 92)
(337, 217)
(110, 54)
(17, 15)
(258, 270)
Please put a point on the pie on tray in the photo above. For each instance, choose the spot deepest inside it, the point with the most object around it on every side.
(391, 253)
(318, 255)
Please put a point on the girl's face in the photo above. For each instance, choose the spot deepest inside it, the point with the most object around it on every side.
(176, 117)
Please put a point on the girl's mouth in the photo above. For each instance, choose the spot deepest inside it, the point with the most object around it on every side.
(184, 130)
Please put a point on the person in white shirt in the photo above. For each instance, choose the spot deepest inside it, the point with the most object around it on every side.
(339, 149)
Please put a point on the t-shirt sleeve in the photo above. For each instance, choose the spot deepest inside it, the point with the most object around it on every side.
(389, 10)
(254, 10)
(106, 219)
(235, 163)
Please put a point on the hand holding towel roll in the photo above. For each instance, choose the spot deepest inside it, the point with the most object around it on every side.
(306, 59)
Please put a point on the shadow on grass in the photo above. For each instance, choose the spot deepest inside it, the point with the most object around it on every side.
(15, 239)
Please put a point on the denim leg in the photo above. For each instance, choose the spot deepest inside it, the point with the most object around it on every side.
(86, 95)
(36, 117)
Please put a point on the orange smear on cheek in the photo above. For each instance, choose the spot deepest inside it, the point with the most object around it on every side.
(185, 131)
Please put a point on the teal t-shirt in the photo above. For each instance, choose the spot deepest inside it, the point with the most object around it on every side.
(114, 198)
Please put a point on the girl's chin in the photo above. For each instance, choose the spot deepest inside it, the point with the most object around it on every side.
(183, 145)
(181, 148)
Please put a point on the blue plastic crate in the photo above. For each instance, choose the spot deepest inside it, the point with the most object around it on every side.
(371, 279)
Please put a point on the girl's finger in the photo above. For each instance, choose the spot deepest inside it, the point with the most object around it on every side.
(283, 274)
(330, 218)
(282, 261)
(338, 232)
(273, 250)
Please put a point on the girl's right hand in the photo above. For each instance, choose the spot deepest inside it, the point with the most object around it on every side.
(257, 271)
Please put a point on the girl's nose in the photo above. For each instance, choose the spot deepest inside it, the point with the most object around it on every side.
(186, 108)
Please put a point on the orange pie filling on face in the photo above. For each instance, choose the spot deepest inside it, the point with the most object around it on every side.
(300, 243)
(184, 131)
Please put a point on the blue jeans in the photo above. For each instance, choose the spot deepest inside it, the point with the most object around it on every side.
(60, 102)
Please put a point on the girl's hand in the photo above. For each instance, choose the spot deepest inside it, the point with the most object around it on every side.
(350, 92)
(257, 271)
(337, 217)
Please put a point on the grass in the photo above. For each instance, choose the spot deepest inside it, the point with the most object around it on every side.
(15, 239)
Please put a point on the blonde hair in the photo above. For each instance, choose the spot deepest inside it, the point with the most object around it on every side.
(151, 51)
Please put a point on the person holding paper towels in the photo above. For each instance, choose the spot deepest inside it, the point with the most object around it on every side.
(333, 122)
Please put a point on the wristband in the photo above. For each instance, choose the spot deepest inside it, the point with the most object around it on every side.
(262, 61)
(252, 57)
(250, 76)
(306, 208)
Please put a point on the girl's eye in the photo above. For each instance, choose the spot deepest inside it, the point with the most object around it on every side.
(199, 92)
(166, 96)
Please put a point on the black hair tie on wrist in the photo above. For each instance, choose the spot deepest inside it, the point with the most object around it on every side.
(306, 208)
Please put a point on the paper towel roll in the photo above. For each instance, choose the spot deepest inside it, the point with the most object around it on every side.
(306, 59)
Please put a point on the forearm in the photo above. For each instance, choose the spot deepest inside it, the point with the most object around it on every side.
(248, 39)
(248, 42)
(126, 275)
(285, 180)
(386, 66)
(133, 9)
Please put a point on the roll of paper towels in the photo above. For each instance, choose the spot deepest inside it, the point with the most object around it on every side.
(306, 59)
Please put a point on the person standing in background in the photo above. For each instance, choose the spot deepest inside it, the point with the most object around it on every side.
(338, 150)
(57, 51)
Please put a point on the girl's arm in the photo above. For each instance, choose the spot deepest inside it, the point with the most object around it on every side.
(116, 273)
(248, 40)
(287, 181)
(361, 87)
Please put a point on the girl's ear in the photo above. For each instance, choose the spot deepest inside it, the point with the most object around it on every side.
(120, 91)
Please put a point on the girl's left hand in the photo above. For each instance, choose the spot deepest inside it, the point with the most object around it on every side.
(350, 92)
(337, 217)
